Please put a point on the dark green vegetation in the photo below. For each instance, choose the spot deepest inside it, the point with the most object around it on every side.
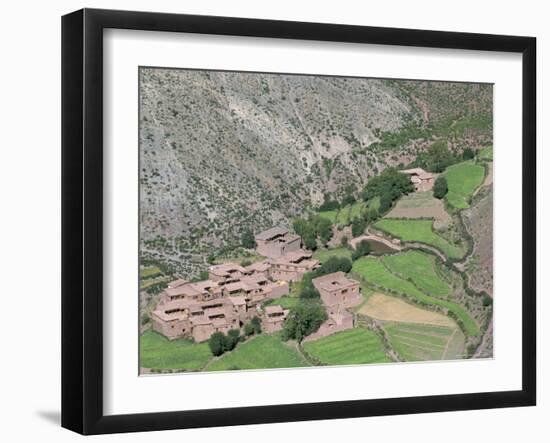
(220, 343)
(440, 187)
(354, 346)
(157, 352)
(388, 186)
(414, 342)
(312, 230)
(304, 319)
(264, 351)
(361, 249)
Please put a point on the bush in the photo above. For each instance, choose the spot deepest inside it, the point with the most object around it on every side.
(440, 187)
(248, 329)
(217, 343)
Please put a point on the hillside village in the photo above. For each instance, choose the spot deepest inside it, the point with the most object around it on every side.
(305, 220)
(234, 294)
(365, 295)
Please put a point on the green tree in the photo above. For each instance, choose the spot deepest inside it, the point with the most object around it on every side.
(304, 319)
(217, 343)
(248, 329)
(233, 337)
(247, 239)
(256, 324)
(358, 226)
(361, 249)
(309, 292)
(468, 154)
(440, 187)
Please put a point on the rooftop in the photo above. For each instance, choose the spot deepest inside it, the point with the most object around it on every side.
(419, 172)
(332, 282)
(271, 233)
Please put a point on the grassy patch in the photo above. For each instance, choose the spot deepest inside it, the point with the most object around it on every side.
(373, 271)
(425, 342)
(329, 215)
(463, 179)
(419, 231)
(324, 254)
(149, 272)
(354, 346)
(286, 302)
(420, 268)
(158, 352)
(262, 352)
(486, 154)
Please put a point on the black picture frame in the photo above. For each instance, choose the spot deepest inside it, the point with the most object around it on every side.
(82, 219)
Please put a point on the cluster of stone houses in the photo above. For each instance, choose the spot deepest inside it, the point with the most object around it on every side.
(234, 294)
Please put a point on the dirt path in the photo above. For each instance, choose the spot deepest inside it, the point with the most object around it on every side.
(368, 236)
(447, 345)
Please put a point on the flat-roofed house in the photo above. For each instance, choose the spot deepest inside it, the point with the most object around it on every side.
(273, 318)
(293, 265)
(199, 291)
(226, 272)
(421, 180)
(276, 242)
(339, 319)
(337, 289)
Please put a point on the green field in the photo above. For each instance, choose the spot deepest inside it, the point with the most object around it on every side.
(463, 179)
(375, 203)
(286, 302)
(354, 346)
(345, 215)
(149, 272)
(372, 270)
(486, 154)
(263, 351)
(414, 342)
(419, 231)
(420, 268)
(324, 254)
(157, 352)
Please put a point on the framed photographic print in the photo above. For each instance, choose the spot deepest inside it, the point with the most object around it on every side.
(269, 221)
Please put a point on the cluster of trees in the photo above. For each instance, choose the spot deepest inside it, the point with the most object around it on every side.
(220, 343)
(440, 187)
(389, 185)
(312, 229)
(437, 158)
(254, 327)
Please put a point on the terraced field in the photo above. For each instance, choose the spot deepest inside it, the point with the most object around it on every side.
(420, 268)
(414, 342)
(373, 271)
(263, 351)
(419, 231)
(383, 307)
(354, 346)
(157, 352)
(463, 179)
(421, 205)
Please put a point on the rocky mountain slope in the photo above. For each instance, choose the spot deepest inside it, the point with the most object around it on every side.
(222, 152)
